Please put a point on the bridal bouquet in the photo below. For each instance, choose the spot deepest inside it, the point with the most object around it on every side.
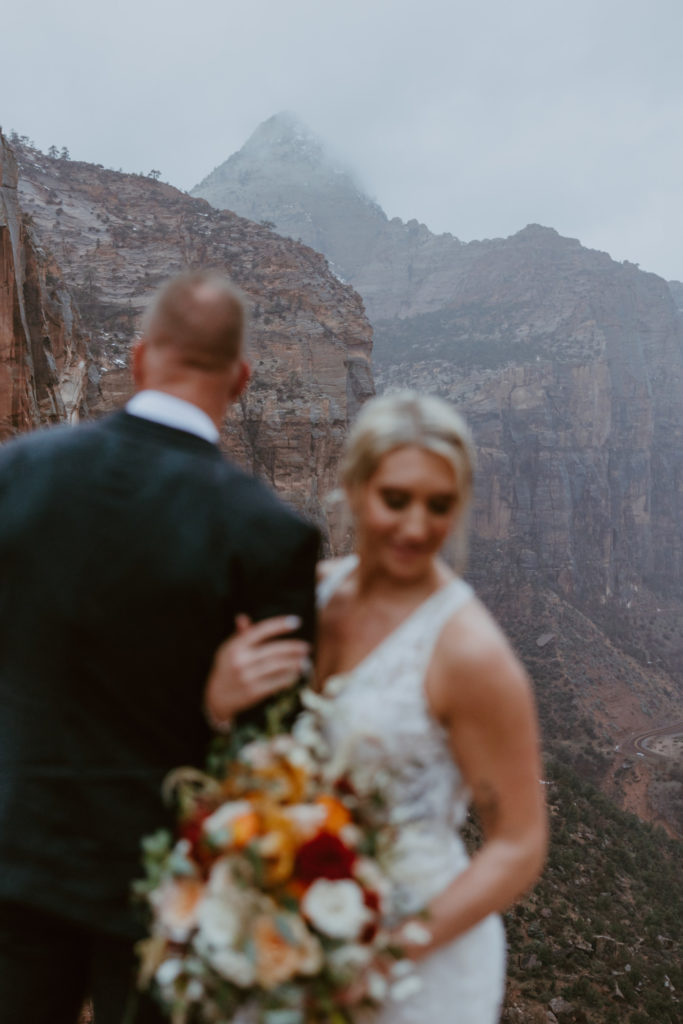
(270, 905)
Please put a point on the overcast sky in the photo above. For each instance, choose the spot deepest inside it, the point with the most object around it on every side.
(476, 117)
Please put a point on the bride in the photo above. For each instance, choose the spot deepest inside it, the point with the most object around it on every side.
(428, 691)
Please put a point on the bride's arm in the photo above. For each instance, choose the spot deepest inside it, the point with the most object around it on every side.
(481, 693)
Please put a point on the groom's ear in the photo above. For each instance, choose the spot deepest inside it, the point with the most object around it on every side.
(242, 376)
(137, 363)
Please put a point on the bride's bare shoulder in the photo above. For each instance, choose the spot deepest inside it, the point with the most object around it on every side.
(473, 660)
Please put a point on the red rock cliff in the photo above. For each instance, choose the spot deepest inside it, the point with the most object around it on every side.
(118, 236)
(42, 351)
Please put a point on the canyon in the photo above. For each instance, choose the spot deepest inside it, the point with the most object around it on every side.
(569, 367)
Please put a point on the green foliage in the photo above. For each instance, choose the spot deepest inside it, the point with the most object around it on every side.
(604, 918)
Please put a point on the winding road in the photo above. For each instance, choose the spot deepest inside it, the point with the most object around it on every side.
(639, 743)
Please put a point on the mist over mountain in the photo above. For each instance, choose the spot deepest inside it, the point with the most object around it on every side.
(283, 175)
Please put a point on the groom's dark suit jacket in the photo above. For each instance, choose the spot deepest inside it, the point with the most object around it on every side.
(126, 549)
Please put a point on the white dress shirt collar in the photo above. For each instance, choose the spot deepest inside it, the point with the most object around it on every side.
(161, 407)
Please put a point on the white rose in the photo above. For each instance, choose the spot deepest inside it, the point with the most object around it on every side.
(220, 822)
(306, 818)
(168, 971)
(336, 908)
(232, 965)
(219, 922)
(258, 753)
(282, 745)
(347, 961)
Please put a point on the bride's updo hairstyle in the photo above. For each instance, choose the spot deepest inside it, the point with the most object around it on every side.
(406, 418)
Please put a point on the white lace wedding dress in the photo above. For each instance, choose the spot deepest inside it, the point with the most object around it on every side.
(380, 707)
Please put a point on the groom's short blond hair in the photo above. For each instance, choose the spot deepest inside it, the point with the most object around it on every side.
(199, 317)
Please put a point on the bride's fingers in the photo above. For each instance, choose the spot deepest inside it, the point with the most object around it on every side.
(279, 679)
(273, 652)
(268, 628)
(287, 664)
(251, 665)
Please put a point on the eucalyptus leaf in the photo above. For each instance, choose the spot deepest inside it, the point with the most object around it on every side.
(158, 844)
(282, 1017)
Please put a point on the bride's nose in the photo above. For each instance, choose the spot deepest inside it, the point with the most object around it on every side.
(415, 522)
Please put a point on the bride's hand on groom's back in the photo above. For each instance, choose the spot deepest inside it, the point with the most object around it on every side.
(259, 659)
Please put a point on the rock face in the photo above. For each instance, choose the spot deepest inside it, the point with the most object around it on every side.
(42, 350)
(570, 368)
(119, 236)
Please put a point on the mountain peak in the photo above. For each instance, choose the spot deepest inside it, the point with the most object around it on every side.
(285, 176)
(283, 150)
(286, 137)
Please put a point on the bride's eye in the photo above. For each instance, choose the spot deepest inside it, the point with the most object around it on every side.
(395, 500)
(442, 504)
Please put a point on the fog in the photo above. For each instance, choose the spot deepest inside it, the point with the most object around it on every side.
(474, 118)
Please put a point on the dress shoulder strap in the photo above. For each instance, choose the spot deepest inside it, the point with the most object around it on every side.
(435, 613)
(334, 579)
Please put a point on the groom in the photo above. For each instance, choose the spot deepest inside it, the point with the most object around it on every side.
(127, 549)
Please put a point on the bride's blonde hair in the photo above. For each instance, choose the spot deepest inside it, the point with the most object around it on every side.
(403, 418)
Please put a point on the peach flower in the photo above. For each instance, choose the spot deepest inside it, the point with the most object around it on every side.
(284, 947)
(176, 903)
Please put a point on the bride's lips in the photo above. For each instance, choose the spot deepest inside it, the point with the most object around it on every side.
(407, 550)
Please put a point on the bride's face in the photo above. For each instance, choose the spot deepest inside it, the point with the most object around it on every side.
(405, 511)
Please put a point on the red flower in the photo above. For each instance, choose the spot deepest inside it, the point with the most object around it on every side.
(192, 830)
(324, 856)
(372, 902)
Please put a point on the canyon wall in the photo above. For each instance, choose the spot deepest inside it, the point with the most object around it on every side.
(42, 348)
(119, 236)
(570, 368)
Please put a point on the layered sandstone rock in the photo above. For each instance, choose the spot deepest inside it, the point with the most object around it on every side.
(570, 369)
(42, 351)
(118, 236)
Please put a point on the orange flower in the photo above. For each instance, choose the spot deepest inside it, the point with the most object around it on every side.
(286, 782)
(337, 814)
(232, 825)
(245, 828)
(277, 844)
